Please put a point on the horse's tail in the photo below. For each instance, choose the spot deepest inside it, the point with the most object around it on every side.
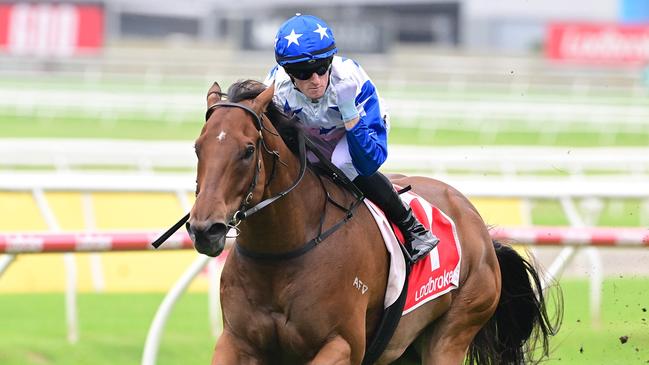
(521, 322)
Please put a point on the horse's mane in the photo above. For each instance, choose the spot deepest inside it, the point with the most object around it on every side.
(287, 126)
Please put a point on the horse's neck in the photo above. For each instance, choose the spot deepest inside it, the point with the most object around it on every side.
(291, 220)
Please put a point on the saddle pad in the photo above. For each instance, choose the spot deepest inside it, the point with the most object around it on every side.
(432, 276)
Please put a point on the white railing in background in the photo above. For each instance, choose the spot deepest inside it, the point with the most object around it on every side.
(538, 187)
(155, 157)
(487, 115)
(488, 93)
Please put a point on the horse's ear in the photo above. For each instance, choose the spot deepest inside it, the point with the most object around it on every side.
(214, 94)
(262, 100)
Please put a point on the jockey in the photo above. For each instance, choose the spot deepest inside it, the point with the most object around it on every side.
(340, 108)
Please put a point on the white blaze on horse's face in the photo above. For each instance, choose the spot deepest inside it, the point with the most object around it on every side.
(221, 136)
(225, 169)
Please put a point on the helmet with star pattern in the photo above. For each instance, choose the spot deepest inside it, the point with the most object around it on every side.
(304, 38)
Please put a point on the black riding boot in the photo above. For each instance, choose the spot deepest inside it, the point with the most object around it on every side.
(379, 190)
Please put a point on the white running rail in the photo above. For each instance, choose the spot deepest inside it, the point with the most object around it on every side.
(148, 156)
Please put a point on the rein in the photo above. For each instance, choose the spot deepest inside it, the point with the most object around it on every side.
(243, 212)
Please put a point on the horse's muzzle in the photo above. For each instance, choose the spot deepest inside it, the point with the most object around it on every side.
(208, 237)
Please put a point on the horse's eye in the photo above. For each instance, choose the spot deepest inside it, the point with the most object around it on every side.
(250, 149)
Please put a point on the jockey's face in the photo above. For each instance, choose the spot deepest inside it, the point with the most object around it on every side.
(314, 87)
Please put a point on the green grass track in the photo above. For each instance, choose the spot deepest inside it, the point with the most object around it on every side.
(113, 328)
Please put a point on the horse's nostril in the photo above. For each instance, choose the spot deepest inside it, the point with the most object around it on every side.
(216, 228)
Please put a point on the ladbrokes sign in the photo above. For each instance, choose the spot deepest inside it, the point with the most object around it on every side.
(43, 29)
(598, 43)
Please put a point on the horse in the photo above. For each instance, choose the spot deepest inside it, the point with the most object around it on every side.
(288, 291)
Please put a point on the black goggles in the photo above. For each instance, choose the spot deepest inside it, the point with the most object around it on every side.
(305, 73)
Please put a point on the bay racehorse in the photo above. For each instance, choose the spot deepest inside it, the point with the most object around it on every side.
(287, 289)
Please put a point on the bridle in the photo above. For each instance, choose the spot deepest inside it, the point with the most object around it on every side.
(244, 212)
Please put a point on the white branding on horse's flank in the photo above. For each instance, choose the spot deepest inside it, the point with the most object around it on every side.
(221, 136)
(358, 284)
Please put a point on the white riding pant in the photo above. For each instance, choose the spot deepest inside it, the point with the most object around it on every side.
(343, 160)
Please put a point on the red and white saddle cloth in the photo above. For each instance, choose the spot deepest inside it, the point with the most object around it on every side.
(432, 276)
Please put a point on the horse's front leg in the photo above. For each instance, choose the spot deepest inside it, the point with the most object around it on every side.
(335, 352)
(226, 352)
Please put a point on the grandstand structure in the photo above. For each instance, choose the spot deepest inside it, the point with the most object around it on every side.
(465, 23)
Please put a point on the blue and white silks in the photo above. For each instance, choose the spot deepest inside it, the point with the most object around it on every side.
(364, 148)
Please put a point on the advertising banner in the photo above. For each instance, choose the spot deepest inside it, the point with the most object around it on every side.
(598, 43)
(51, 29)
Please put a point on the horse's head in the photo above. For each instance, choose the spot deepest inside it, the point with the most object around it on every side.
(229, 167)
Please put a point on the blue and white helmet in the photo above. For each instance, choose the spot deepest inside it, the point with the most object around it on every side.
(304, 38)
